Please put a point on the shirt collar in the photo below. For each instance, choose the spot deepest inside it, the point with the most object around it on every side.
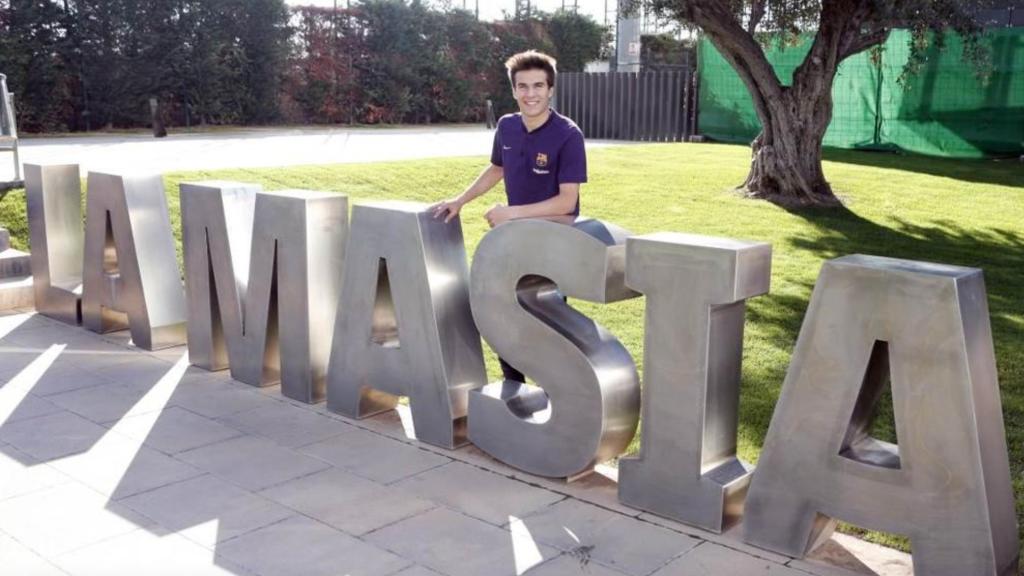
(522, 123)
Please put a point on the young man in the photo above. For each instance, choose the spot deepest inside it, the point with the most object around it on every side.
(538, 152)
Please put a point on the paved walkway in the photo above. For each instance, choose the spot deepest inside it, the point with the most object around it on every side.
(251, 148)
(115, 461)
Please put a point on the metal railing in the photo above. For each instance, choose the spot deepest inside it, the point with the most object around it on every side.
(9, 126)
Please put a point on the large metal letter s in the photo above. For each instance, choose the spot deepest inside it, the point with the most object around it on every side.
(590, 411)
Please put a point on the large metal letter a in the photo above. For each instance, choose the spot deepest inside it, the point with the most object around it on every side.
(404, 327)
(130, 267)
(925, 329)
(696, 289)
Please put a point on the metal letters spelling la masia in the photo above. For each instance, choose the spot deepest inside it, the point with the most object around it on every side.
(280, 287)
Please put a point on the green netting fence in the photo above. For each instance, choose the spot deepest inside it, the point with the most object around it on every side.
(944, 110)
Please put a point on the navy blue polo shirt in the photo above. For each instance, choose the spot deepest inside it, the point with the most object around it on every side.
(535, 163)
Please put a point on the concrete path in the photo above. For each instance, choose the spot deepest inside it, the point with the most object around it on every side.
(116, 461)
(249, 148)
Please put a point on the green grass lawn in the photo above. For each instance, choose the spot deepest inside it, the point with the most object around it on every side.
(967, 213)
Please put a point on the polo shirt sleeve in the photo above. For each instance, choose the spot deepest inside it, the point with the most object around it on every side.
(496, 147)
(572, 166)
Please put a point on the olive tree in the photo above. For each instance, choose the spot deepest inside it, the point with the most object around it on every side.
(786, 164)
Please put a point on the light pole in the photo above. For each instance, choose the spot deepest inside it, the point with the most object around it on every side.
(334, 51)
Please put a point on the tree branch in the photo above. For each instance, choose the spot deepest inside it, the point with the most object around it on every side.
(737, 45)
(757, 11)
(856, 44)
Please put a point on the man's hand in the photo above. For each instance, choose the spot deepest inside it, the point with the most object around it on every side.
(498, 214)
(447, 208)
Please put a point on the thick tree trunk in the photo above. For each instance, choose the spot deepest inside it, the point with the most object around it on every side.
(786, 156)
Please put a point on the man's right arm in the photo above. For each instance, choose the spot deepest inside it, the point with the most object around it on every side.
(484, 182)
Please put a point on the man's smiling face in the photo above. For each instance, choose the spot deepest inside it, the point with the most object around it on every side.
(532, 93)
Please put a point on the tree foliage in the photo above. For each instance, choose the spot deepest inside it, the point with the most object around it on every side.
(78, 64)
(401, 61)
(576, 38)
(30, 38)
(88, 64)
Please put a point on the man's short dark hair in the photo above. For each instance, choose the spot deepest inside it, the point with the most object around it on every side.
(531, 60)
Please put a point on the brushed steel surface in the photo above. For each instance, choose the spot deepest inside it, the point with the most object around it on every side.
(54, 199)
(130, 270)
(696, 288)
(216, 237)
(586, 408)
(404, 326)
(263, 273)
(924, 328)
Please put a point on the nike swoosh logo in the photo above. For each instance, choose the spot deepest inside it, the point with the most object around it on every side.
(506, 147)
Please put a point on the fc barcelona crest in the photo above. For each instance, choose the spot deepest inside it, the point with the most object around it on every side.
(542, 160)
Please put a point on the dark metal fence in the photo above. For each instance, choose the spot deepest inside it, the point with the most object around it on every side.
(647, 106)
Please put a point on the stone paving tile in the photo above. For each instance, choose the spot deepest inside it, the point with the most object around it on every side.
(45, 336)
(105, 403)
(137, 369)
(91, 354)
(417, 571)
(621, 542)
(176, 430)
(710, 559)
(478, 493)
(15, 360)
(143, 552)
(32, 407)
(64, 376)
(347, 502)
(18, 560)
(91, 350)
(66, 434)
(118, 467)
(285, 424)
(21, 474)
(11, 321)
(303, 546)
(187, 508)
(732, 538)
(600, 488)
(457, 545)
(373, 456)
(65, 518)
(252, 463)
(568, 564)
(35, 331)
(214, 397)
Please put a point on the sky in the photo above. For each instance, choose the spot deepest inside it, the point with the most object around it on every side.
(492, 9)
